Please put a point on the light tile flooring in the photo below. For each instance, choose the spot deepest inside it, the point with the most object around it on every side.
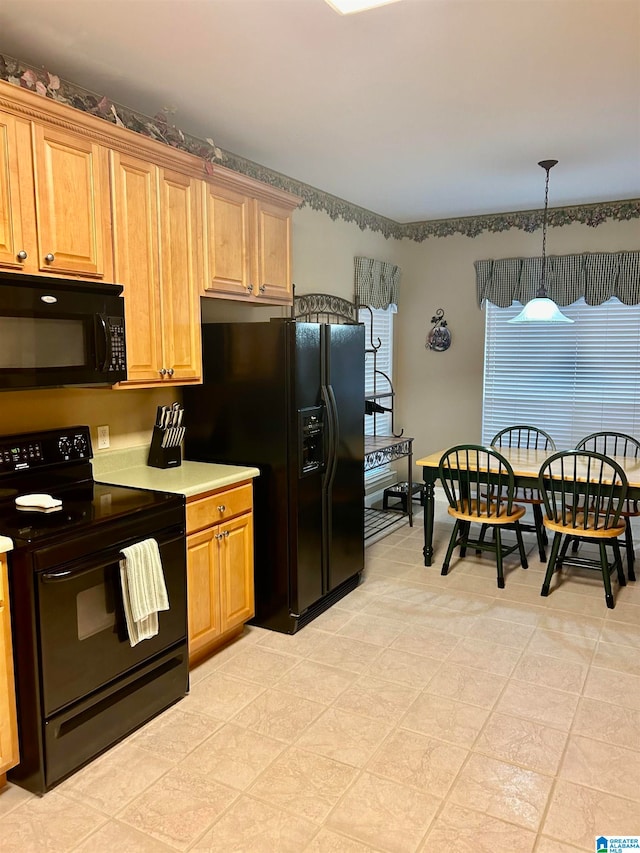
(420, 713)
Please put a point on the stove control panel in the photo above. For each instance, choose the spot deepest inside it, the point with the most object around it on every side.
(48, 447)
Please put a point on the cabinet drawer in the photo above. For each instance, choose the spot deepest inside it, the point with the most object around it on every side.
(204, 512)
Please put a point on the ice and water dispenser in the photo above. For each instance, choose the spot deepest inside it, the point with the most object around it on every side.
(311, 440)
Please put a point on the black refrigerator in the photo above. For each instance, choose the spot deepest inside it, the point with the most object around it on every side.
(288, 398)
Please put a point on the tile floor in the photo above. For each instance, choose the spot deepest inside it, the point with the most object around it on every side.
(419, 713)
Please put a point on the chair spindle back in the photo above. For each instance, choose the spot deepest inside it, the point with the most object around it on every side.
(477, 478)
(582, 490)
(525, 436)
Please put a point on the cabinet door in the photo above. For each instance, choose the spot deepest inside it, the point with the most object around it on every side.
(8, 723)
(11, 237)
(236, 571)
(228, 232)
(179, 231)
(274, 252)
(135, 246)
(203, 594)
(72, 204)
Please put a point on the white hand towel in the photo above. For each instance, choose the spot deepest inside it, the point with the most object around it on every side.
(144, 592)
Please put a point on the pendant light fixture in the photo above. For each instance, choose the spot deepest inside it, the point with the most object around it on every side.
(542, 309)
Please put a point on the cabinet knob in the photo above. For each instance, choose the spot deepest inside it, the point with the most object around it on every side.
(171, 371)
(226, 534)
(163, 371)
(49, 258)
(250, 288)
(221, 508)
(263, 287)
(22, 256)
(219, 536)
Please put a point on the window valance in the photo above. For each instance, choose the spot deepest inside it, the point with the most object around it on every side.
(376, 282)
(595, 276)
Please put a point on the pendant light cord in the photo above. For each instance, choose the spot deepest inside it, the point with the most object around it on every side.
(547, 165)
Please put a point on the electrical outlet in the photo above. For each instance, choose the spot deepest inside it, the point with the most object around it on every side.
(103, 437)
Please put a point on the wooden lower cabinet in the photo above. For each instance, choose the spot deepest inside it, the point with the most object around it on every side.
(8, 723)
(219, 567)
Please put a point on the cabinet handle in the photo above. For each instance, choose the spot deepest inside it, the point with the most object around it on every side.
(218, 536)
(163, 371)
(49, 258)
(221, 508)
(22, 256)
(171, 371)
(263, 287)
(226, 534)
(250, 288)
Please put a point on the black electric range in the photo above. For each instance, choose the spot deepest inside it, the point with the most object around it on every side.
(80, 685)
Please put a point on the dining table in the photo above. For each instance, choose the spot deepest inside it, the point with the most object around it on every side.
(526, 464)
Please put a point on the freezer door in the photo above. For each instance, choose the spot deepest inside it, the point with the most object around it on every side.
(306, 581)
(343, 493)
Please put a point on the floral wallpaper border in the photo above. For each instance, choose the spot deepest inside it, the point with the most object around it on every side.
(161, 128)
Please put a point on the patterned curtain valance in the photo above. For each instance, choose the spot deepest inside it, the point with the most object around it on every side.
(376, 282)
(596, 276)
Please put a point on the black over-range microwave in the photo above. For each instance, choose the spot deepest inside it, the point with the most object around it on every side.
(56, 332)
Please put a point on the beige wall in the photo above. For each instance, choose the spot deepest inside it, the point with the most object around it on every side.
(324, 249)
(130, 414)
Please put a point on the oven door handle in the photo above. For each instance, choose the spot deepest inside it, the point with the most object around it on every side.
(65, 574)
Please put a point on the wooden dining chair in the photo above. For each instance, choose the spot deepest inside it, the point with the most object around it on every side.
(530, 438)
(583, 494)
(618, 444)
(479, 485)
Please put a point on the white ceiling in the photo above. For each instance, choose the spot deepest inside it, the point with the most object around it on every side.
(421, 109)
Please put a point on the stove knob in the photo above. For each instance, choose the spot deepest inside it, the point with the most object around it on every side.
(64, 446)
(80, 445)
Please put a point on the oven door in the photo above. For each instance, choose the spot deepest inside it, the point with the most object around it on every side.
(84, 643)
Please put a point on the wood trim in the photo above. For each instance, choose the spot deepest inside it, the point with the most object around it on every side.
(26, 104)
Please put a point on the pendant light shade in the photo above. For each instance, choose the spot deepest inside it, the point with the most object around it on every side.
(542, 309)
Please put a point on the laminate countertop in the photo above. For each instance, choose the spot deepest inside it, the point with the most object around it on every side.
(129, 468)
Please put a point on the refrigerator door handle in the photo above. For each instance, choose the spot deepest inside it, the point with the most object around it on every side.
(334, 432)
(330, 447)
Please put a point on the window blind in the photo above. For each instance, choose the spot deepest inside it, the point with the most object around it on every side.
(568, 380)
(382, 321)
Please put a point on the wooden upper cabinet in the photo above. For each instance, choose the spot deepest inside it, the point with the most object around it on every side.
(54, 201)
(136, 262)
(248, 240)
(156, 230)
(274, 251)
(11, 239)
(82, 198)
(180, 247)
(228, 234)
(73, 221)
(8, 721)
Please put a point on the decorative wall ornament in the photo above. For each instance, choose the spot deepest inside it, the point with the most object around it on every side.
(48, 85)
(439, 338)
